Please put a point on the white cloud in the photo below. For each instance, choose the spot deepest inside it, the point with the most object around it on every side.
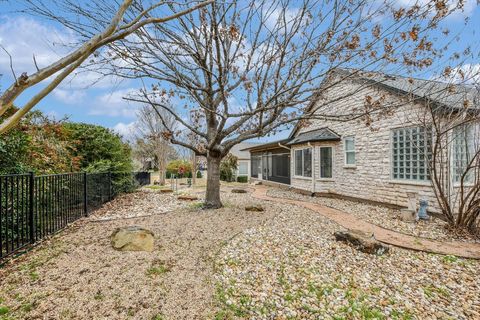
(113, 104)
(69, 96)
(126, 130)
(25, 37)
(465, 74)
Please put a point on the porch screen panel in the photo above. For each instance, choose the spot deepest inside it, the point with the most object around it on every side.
(280, 168)
(255, 166)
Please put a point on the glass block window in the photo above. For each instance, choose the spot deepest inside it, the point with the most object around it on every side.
(326, 162)
(463, 151)
(303, 162)
(350, 150)
(411, 152)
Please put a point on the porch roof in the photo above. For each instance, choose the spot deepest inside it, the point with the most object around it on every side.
(323, 134)
(268, 145)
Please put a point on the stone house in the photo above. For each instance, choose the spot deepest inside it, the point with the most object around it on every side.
(377, 151)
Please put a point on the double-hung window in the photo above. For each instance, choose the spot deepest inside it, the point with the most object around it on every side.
(464, 149)
(243, 168)
(411, 153)
(326, 162)
(303, 162)
(350, 151)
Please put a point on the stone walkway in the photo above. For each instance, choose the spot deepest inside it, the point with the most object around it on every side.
(460, 249)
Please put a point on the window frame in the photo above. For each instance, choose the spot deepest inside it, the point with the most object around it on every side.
(346, 152)
(302, 150)
(419, 157)
(246, 166)
(467, 129)
(332, 162)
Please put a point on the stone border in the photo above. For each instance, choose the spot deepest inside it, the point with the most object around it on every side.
(397, 239)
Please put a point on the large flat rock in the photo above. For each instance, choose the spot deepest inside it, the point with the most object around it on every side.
(362, 241)
(132, 238)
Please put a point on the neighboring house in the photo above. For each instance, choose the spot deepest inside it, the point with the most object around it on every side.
(243, 158)
(371, 158)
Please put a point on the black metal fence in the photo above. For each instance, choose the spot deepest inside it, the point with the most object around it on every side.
(33, 207)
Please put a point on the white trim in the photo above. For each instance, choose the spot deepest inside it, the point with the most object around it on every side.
(312, 164)
(411, 182)
(345, 151)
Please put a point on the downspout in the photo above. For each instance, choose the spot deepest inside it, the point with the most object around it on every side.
(313, 169)
(282, 146)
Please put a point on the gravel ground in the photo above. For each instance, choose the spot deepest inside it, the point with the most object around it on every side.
(381, 215)
(222, 264)
(292, 268)
(77, 275)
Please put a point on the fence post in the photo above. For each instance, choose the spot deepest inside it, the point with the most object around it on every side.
(85, 204)
(31, 219)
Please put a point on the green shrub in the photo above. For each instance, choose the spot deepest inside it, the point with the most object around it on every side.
(228, 166)
(199, 174)
(242, 179)
(178, 166)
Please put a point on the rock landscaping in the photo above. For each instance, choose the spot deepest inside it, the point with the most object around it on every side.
(383, 216)
(282, 263)
(239, 191)
(132, 238)
(254, 208)
(365, 242)
(293, 268)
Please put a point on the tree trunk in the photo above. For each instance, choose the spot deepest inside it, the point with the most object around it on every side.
(212, 197)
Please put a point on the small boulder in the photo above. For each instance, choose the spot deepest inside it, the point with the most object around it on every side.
(133, 238)
(362, 241)
(239, 191)
(187, 197)
(407, 215)
(254, 208)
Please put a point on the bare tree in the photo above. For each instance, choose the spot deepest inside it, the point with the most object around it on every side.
(250, 68)
(151, 127)
(454, 156)
(123, 22)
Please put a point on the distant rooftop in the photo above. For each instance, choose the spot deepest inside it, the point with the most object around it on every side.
(239, 152)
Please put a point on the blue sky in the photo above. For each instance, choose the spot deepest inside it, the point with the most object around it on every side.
(101, 103)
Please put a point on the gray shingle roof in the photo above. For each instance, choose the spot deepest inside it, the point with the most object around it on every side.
(445, 94)
(323, 134)
(239, 150)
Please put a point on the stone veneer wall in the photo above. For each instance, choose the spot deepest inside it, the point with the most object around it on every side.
(370, 178)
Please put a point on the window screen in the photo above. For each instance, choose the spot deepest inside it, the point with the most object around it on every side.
(326, 162)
